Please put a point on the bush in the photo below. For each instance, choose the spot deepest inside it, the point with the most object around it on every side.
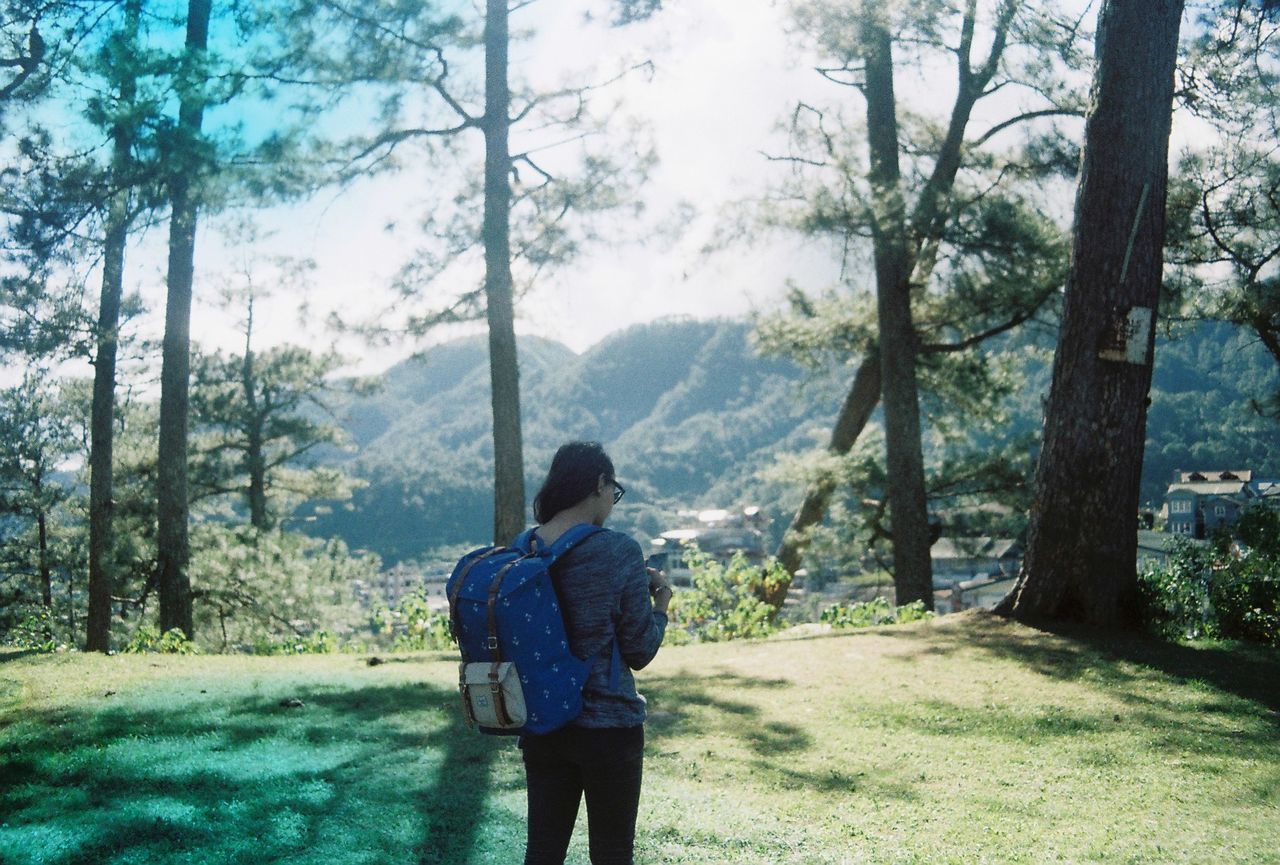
(318, 642)
(867, 614)
(726, 600)
(414, 625)
(35, 632)
(1226, 590)
(171, 642)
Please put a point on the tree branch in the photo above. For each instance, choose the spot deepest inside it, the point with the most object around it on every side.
(1022, 118)
(27, 64)
(982, 336)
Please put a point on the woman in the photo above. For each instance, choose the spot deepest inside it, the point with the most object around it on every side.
(607, 595)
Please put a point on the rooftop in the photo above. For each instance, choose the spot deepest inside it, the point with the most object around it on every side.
(1215, 475)
(968, 548)
(1210, 488)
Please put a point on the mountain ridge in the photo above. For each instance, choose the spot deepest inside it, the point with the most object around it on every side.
(691, 413)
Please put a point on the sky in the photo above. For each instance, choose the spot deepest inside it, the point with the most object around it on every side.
(724, 75)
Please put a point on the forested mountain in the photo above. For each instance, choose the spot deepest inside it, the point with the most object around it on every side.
(691, 414)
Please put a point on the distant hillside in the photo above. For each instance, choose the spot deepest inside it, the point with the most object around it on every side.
(687, 409)
(1201, 414)
(691, 414)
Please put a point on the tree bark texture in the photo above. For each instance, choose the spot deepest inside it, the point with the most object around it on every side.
(504, 366)
(861, 401)
(1082, 540)
(908, 505)
(102, 412)
(173, 546)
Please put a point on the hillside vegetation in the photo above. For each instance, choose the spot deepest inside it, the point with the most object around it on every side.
(960, 740)
(692, 415)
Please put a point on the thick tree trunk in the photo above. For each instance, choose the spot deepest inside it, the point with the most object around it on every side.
(908, 505)
(861, 401)
(173, 547)
(102, 414)
(504, 367)
(1081, 551)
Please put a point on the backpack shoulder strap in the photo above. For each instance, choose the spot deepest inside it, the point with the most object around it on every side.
(526, 541)
(569, 540)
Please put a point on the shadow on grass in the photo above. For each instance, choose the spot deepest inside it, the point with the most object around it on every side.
(1132, 668)
(1249, 672)
(362, 773)
(779, 753)
(688, 702)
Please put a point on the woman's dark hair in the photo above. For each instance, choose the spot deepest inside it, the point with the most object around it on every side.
(574, 474)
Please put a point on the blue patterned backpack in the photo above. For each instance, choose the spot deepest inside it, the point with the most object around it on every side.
(517, 674)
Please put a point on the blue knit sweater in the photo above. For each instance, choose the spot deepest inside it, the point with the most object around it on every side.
(604, 590)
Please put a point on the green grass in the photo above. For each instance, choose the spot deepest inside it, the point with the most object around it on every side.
(965, 740)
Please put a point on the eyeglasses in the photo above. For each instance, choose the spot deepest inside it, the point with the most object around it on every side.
(618, 491)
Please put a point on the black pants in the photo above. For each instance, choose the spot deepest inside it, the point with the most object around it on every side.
(560, 768)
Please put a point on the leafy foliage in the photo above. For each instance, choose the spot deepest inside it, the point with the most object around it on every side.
(413, 626)
(257, 589)
(725, 601)
(149, 639)
(35, 629)
(1226, 590)
(1224, 228)
(867, 614)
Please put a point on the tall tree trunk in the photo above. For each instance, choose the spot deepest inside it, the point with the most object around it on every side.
(102, 420)
(861, 401)
(46, 572)
(174, 550)
(1082, 541)
(255, 456)
(908, 258)
(908, 505)
(504, 366)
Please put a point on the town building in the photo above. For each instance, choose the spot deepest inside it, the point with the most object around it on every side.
(973, 573)
(1200, 503)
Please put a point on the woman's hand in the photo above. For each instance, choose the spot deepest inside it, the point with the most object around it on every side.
(659, 589)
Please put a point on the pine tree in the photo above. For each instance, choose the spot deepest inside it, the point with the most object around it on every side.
(1080, 563)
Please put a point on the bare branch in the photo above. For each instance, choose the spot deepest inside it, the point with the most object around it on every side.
(1023, 118)
(977, 338)
(394, 137)
(830, 73)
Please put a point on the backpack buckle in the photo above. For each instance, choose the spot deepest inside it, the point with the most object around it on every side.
(492, 645)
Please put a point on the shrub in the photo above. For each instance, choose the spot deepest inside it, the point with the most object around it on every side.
(867, 614)
(1226, 590)
(171, 642)
(34, 632)
(318, 642)
(726, 600)
(414, 626)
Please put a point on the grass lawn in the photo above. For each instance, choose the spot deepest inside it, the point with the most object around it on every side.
(965, 740)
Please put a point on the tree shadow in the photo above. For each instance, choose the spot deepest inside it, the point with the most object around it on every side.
(778, 752)
(1123, 663)
(362, 773)
(679, 699)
